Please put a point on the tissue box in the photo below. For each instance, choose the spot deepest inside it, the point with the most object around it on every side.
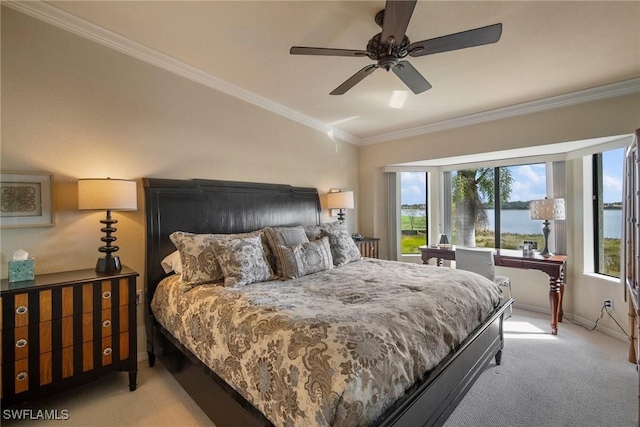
(21, 270)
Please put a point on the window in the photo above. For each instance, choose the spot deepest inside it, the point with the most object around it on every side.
(490, 206)
(607, 210)
(526, 183)
(413, 211)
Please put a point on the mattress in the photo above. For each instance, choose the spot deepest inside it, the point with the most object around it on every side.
(333, 348)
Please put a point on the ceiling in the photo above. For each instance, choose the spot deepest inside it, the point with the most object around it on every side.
(547, 49)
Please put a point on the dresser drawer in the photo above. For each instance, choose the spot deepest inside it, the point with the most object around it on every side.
(64, 329)
(43, 337)
(26, 374)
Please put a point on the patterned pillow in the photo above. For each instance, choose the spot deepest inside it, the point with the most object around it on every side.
(199, 264)
(343, 248)
(197, 254)
(313, 232)
(243, 261)
(305, 258)
(283, 236)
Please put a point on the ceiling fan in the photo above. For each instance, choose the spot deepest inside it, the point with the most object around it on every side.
(391, 45)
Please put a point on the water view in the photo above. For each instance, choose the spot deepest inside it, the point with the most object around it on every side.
(518, 221)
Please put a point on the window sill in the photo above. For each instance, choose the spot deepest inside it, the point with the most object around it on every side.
(605, 278)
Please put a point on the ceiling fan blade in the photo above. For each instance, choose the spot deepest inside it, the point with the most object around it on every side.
(299, 50)
(470, 38)
(354, 80)
(397, 14)
(411, 77)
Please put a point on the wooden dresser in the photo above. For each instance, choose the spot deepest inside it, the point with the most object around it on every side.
(368, 247)
(63, 329)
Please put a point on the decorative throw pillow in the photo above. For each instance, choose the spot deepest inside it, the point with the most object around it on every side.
(343, 248)
(243, 261)
(305, 258)
(314, 232)
(284, 236)
(199, 264)
(198, 259)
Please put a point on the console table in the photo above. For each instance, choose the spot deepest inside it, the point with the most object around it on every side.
(554, 267)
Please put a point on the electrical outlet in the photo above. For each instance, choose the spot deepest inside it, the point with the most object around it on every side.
(608, 304)
(138, 296)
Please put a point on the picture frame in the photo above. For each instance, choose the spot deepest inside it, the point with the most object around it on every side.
(26, 199)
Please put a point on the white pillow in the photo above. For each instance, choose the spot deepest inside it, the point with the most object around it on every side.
(172, 263)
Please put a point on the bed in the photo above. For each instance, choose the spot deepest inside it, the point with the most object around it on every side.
(229, 359)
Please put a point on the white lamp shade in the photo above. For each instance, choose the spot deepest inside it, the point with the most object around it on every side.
(340, 200)
(547, 209)
(107, 194)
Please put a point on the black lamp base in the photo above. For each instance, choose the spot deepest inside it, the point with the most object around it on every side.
(108, 264)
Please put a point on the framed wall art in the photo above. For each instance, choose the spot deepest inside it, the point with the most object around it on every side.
(26, 199)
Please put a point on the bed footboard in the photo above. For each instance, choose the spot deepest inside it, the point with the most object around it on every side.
(431, 401)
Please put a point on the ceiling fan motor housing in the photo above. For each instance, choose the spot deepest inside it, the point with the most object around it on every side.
(377, 49)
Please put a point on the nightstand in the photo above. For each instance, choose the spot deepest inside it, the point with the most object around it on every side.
(368, 246)
(64, 329)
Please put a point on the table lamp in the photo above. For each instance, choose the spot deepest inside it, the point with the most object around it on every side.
(110, 195)
(340, 200)
(547, 209)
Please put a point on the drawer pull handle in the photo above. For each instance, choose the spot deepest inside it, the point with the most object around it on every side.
(106, 294)
(21, 343)
(22, 309)
(107, 351)
(21, 376)
(106, 323)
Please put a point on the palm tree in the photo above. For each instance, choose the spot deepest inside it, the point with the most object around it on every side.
(471, 187)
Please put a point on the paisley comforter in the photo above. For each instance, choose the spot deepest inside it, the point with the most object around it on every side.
(333, 348)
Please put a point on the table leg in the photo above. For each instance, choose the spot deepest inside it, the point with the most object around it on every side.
(561, 296)
(555, 291)
(439, 262)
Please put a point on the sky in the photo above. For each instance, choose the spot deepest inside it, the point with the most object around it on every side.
(529, 181)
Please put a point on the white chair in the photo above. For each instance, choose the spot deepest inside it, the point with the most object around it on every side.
(480, 260)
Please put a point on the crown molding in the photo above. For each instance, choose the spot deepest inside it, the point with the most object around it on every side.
(83, 28)
(626, 87)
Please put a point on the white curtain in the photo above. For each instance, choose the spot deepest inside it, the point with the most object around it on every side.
(392, 215)
(560, 192)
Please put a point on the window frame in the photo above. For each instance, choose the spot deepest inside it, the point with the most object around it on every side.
(597, 208)
(427, 213)
(497, 203)
(437, 169)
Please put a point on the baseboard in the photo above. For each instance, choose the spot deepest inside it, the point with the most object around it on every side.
(577, 319)
(611, 332)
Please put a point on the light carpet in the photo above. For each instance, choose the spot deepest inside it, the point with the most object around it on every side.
(575, 379)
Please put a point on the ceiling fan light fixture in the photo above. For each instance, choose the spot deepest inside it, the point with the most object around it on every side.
(398, 98)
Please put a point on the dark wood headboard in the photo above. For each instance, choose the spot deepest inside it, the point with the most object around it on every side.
(208, 206)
